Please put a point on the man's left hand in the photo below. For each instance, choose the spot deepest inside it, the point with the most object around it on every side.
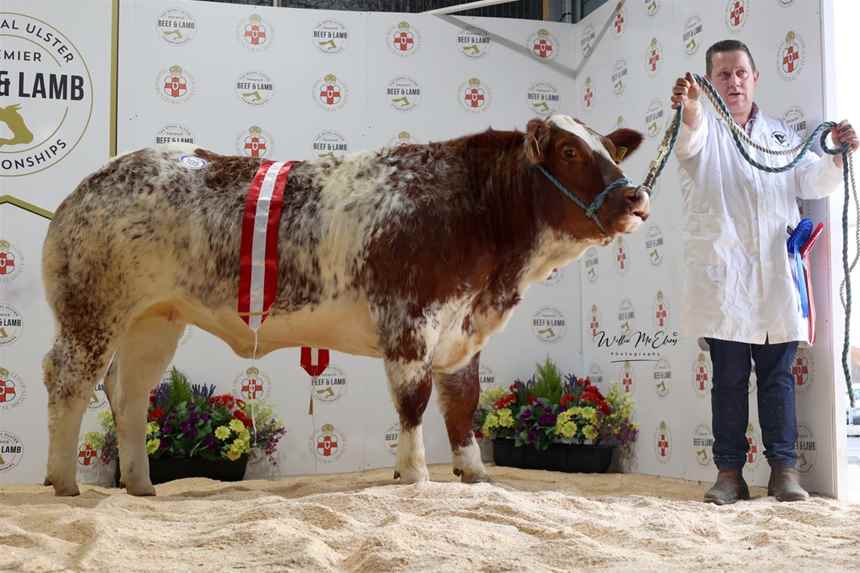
(844, 133)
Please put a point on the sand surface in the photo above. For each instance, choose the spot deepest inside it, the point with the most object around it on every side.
(526, 521)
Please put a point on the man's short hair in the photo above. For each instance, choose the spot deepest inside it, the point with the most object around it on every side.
(726, 46)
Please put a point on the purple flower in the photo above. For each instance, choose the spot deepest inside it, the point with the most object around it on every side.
(525, 414)
(186, 427)
(547, 419)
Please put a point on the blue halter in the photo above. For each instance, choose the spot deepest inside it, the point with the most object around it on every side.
(597, 203)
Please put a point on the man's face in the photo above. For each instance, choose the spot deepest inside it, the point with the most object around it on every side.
(733, 76)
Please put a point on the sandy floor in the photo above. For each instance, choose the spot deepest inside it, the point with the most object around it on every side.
(526, 521)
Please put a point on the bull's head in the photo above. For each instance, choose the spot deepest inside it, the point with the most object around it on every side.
(586, 194)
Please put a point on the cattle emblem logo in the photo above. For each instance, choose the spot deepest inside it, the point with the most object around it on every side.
(654, 117)
(543, 45)
(473, 42)
(692, 34)
(796, 120)
(586, 42)
(254, 33)
(403, 93)
(702, 375)
(175, 84)
(619, 76)
(588, 93)
(543, 98)
(13, 391)
(474, 95)
(98, 399)
(252, 384)
(330, 144)
(403, 39)
(255, 142)
(652, 7)
(753, 449)
(661, 311)
(802, 369)
(791, 55)
(736, 14)
(662, 377)
(654, 245)
(11, 451)
(328, 444)
(627, 376)
(330, 92)
(254, 88)
(330, 37)
(11, 324)
(592, 265)
(618, 21)
(176, 27)
(663, 442)
(703, 444)
(174, 133)
(549, 324)
(330, 385)
(654, 55)
(10, 262)
(392, 437)
(626, 316)
(806, 450)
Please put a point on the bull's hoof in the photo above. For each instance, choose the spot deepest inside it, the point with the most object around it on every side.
(458, 472)
(396, 474)
(142, 490)
(412, 476)
(47, 481)
(475, 478)
(66, 491)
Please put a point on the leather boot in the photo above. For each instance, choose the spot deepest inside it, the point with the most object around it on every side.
(784, 484)
(729, 488)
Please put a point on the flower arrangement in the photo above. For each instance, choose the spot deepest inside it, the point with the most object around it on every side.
(551, 408)
(189, 420)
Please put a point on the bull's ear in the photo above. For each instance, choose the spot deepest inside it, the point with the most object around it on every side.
(537, 138)
(626, 141)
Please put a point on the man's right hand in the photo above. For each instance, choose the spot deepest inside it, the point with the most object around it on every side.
(686, 92)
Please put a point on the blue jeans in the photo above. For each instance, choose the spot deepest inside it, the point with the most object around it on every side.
(730, 401)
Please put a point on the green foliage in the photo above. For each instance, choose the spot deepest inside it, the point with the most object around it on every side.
(548, 382)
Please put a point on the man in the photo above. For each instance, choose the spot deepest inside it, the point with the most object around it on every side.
(739, 293)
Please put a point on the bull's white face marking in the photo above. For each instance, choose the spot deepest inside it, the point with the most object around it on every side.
(570, 125)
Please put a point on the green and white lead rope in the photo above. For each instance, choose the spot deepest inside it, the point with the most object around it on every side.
(742, 141)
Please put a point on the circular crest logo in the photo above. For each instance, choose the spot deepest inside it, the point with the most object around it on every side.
(702, 375)
(330, 36)
(473, 42)
(626, 316)
(594, 324)
(403, 93)
(254, 33)
(331, 385)
(736, 14)
(549, 324)
(98, 399)
(806, 450)
(192, 162)
(622, 264)
(651, 7)
(88, 454)
(654, 245)
(392, 436)
(754, 454)
(328, 444)
(619, 77)
(703, 444)
(11, 324)
(11, 451)
(474, 95)
(586, 41)
(403, 39)
(654, 117)
(618, 21)
(330, 144)
(592, 265)
(661, 311)
(10, 262)
(174, 133)
(543, 98)
(176, 27)
(330, 92)
(627, 376)
(252, 384)
(13, 391)
(175, 84)
(588, 93)
(254, 142)
(663, 442)
(402, 138)
(796, 120)
(662, 377)
(543, 45)
(791, 56)
(486, 377)
(595, 374)
(554, 278)
(653, 57)
(802, 369)
(254, 88)
(46, 93)
(692, 35)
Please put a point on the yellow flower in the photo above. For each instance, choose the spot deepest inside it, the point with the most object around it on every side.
(506, 419)
(589, 432)
(151, 428)
(152, 445)
(236, 425)
(245, 436)
(239, 445)
(222, 432)
(233, 455)
(490, 422)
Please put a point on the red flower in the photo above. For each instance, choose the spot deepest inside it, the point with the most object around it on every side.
(565, 400)
(240, 415)
(156, 414)
(531, 400)
(505, 401)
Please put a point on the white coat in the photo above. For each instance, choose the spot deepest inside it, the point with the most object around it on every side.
(738, 284)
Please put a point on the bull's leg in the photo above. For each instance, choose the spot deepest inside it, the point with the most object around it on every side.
(458, 399)
(144, 353)
(71, 369)
(411, 384)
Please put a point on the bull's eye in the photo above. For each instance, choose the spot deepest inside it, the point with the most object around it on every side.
(569, 153)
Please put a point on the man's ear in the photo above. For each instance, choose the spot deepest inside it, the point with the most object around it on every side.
(537, 139)
(626, 141)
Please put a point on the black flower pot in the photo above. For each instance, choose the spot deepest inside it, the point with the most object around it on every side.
(163, 470)
(571, 458)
